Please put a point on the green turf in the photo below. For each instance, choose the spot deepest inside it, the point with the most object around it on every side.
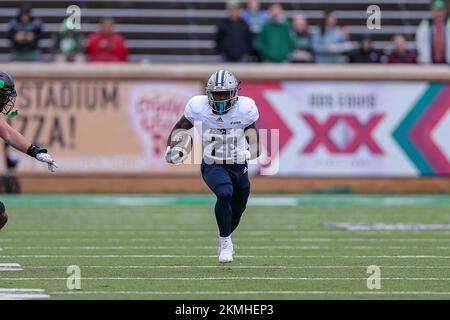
(164, 247)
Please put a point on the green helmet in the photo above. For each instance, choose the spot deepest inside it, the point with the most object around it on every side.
(7, 93)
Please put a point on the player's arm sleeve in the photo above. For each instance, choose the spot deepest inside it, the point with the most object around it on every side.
(13, 137)
(186, 122)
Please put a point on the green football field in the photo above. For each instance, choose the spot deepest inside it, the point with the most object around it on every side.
(165, 247)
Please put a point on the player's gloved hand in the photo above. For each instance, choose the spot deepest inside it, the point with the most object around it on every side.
(42, 155)
(175, 155)
(240, 155)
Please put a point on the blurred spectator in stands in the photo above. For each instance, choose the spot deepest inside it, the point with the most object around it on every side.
(366, 52)
(24, 32)
(433, 36)
(331, 43)
(233, 38)
(401, 54)
(276, 40)
(303, 40)
(255, 18)
(107, 45)
(67, 43)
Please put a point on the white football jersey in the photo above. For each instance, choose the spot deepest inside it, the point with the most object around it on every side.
(221, 133)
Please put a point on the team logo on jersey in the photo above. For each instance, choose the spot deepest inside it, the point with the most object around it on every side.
(219, 119)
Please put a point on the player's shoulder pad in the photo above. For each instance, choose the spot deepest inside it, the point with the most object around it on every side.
(248, 109)
(197, 103)
(195, 107)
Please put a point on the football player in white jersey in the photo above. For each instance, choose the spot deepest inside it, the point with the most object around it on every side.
(226, 122)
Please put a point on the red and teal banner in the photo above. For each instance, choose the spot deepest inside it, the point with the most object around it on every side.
(424, 134)
(355, 128)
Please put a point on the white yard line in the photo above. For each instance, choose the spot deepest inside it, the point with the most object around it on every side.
(10, 267)
(215, 247)
(15, 290)
(22, 294)
(195, 228)
(238, 238)
(239, 256)
(239, 267)
(267, 232)
(446, 293)
(163, 232)
(343, 239)
(211, 231)
(177, 226)
(229, 278)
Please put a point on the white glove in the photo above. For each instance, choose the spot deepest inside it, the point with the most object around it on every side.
(45, 157)
(240, 155)
(173, 155)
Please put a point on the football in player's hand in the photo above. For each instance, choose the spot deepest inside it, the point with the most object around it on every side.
(181, 142)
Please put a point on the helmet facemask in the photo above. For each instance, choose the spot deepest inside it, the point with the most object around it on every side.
(7, 100)
(224, 103)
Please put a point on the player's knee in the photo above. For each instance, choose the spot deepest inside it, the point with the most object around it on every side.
(239, 204)
(238, 211)
(224, 192)
(235, 220)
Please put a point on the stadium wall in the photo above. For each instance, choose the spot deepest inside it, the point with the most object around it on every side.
(341, 128)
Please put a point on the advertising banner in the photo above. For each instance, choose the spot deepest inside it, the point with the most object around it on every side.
(325, 128)
(102, 126)
(357, 128)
